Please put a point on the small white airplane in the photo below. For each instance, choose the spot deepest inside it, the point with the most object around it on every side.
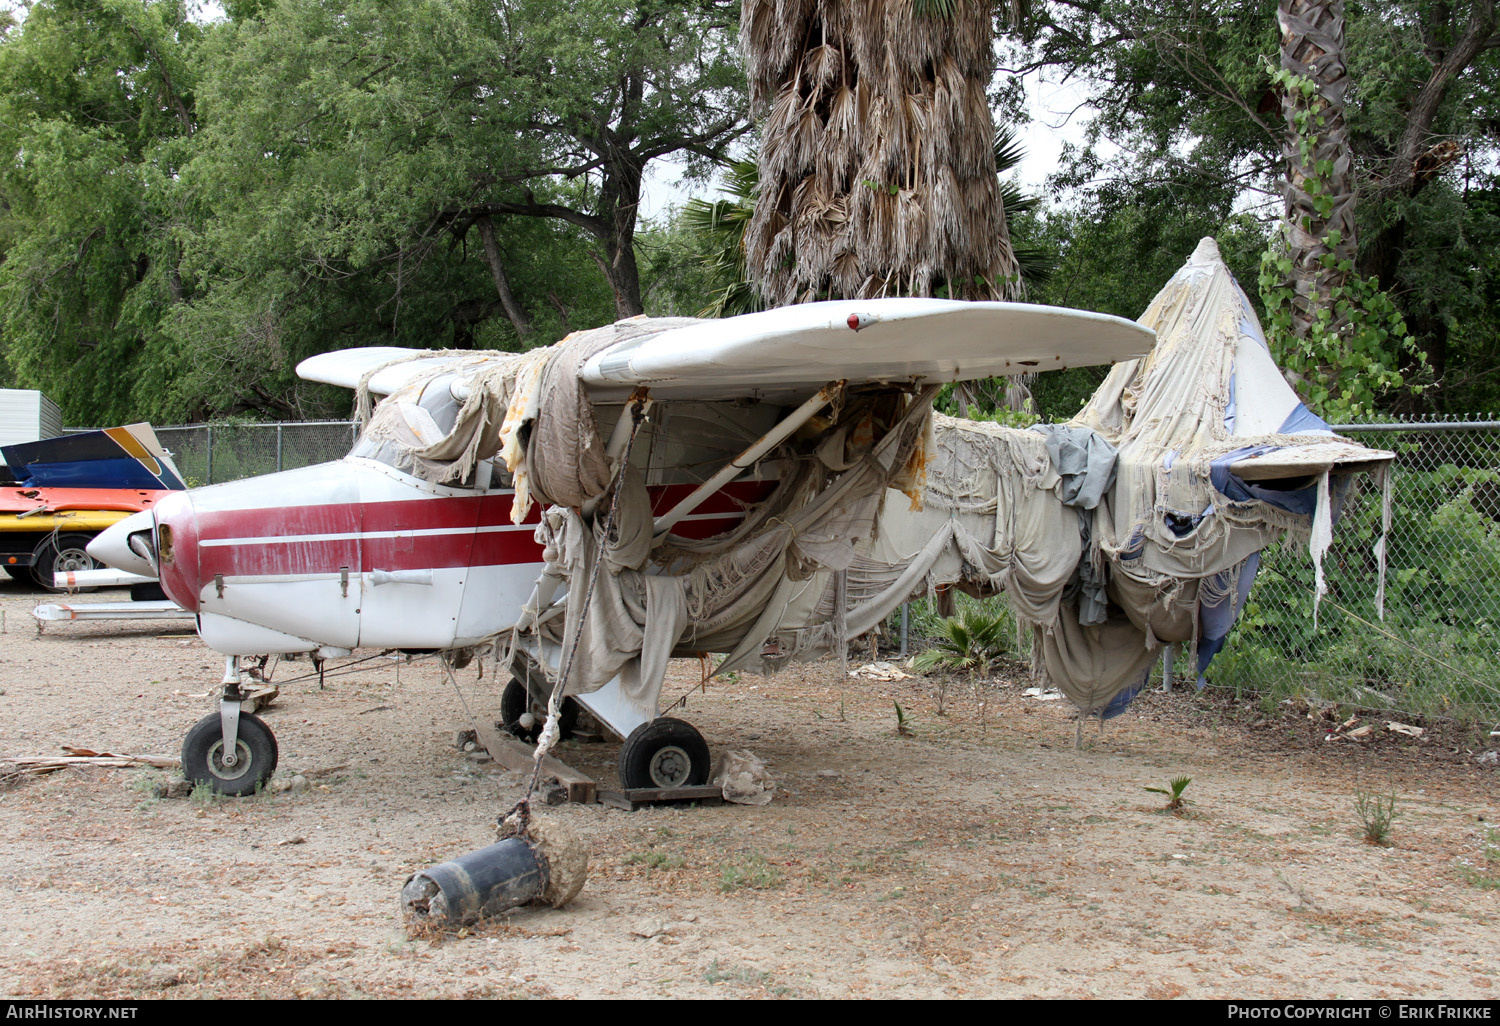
(366, 552)
(700, 480)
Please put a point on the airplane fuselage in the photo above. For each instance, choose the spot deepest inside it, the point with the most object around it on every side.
(355, 554)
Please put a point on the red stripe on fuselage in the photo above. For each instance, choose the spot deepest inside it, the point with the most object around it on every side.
(270, 557)
(455, 513)
(732, 498)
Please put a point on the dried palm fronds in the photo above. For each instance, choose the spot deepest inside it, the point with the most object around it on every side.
(877, 163)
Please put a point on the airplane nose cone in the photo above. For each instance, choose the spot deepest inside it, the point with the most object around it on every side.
(176, 549)
(128, 545)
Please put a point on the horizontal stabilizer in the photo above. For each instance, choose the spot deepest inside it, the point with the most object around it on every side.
(1308, 461)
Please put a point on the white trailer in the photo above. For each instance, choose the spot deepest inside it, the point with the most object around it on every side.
(27, 416)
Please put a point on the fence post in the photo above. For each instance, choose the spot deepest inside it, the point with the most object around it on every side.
(208, 469)
(278, 448)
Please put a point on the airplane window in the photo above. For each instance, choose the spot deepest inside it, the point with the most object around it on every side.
(398, 428)
(437, 400)
(705, 436)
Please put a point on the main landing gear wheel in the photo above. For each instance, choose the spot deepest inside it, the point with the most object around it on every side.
(664, 753)
(514, 705)
(61, 554)
(255, 755)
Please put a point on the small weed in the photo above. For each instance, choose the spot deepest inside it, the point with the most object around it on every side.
(718, 972)
(204, 795)
(1175, 801)
(1484, 872)
(146, 784)
(753, 872)
(654, 860)
(1376, 814)
(1298, 891)
(903, 722)
(843, 714)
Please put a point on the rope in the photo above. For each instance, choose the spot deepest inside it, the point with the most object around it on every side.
(522, 809)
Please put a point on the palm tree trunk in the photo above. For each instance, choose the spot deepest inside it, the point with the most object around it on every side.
(1319, 224)
(877, 171)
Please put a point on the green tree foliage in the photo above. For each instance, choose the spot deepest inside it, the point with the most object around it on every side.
(96, 118)
(192, 209)
(1187, 92)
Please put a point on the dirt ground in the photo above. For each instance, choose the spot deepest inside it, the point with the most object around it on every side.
(981, 856)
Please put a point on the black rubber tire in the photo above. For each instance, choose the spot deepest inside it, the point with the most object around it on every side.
(147, 591)
(19, 573)
(513, 703)
(664, 753)
(62, 552)
(255, 746)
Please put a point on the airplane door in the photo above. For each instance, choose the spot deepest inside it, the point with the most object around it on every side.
(418, 543)
(504, 565)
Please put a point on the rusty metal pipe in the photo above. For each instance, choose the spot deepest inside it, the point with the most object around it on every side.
(547, 865)
(481, 883)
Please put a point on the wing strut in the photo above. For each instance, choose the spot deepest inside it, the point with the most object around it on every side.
(768, 441)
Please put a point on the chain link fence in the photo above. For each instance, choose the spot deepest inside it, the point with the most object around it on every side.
(215, 453)
(1437, 649)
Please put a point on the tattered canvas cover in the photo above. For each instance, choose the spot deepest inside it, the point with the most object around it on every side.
(879, 501)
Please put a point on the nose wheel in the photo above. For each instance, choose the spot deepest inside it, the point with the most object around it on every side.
(664, 753)
(205, 759)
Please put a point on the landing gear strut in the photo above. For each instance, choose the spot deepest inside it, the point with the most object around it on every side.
(233, 752)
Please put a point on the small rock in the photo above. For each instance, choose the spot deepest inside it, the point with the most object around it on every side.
(830, 774)
(300, 784)
(1488, 759)
(179, 788)
(291, 840)
(163, 976)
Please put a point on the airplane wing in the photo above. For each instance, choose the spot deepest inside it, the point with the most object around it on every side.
(792, 351)
(797, 349)
(345, 367)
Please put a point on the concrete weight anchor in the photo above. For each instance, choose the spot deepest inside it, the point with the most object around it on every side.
(549, 866)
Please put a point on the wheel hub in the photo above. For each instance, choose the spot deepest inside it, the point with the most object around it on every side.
(73, 560)
(224, 769)
(670, 766)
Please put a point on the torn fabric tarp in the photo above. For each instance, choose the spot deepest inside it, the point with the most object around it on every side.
(1107, 534)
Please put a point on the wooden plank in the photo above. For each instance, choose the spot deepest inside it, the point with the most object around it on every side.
(513, 755)
(632, 798)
